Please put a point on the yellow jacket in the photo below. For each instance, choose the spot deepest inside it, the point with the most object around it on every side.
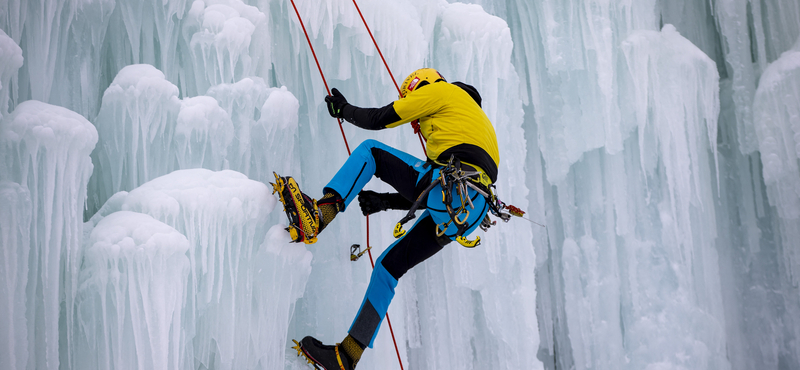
(450, 119)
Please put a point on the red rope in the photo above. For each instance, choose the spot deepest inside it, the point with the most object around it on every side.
(388, 321)
(387, 69)
(320, 73)
(423, 151)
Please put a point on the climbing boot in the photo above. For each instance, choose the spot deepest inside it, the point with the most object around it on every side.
(324, 357)
(301, 210)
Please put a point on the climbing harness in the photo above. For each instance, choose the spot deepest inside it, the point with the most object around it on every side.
(453, 176)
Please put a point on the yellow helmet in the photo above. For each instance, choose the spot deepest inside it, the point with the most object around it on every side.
(420, 77)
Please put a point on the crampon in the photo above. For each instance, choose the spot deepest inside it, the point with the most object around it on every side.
(322, 357)
(300, 352)
(301, 210)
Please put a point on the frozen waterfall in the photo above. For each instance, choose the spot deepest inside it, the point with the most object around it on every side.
(657, 141)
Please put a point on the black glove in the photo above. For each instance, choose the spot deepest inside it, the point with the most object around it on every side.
(335, 103)
(372, 202)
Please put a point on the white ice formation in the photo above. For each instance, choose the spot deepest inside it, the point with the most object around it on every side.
(10, 60)
(131, 296)
(15, 219)
(219, 35)
(658, 141)
(241, 280)
(147, 131)
(136, 125)
(45, 167)
(203, 133)
(777, 115)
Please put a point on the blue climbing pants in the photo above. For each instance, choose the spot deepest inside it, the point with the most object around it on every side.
(410, 176)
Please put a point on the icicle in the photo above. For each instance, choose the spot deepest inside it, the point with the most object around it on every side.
(10, 61)
(46, 149)
(136, 125)
(131, 300)
(777, 117)
(243, 278)
(15, 220)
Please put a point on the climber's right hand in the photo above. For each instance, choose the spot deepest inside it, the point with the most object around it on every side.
(335, 103)
(372, 202)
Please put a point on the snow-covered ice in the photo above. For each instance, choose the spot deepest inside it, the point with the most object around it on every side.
(777, 116)
(203, 133)
(777, 108)
(131, 296)
(15, 218)
(219, 34)
(236, 308)
(136, 125)
(10, 60)
(45, 149)
(656, 140)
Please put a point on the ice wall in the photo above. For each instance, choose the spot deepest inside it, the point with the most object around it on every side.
(146, 131)
(265, 121)
(203, 133)
(231, 307)
(777, 113)
(440, 298)
(571, 50)
(683, 128)
(11, 60)
(778, 130)
(757, 285)
(663, 171)
(136, 124)
(44, 161)
(599, 229)
(479, 299)
(131, 296)
(219, 35)
(15, 220)
(240, 291)
(744, 38)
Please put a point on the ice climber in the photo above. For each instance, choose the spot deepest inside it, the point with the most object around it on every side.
(461, 144)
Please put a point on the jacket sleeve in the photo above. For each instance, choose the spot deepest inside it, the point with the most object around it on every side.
(370, 118)
(421, 103)
(397, 201)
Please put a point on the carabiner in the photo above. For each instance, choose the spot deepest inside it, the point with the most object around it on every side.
(469, 243)
(398, 231)
(460, 222)
(440, 233)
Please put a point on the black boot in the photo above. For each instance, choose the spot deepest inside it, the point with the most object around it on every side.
(323, 356)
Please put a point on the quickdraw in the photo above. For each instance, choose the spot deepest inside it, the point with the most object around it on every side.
(452, 176)
(356, 252)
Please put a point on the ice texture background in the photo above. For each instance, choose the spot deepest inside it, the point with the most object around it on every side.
(658, 141)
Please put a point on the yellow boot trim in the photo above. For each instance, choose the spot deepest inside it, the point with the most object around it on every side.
(339, 357)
